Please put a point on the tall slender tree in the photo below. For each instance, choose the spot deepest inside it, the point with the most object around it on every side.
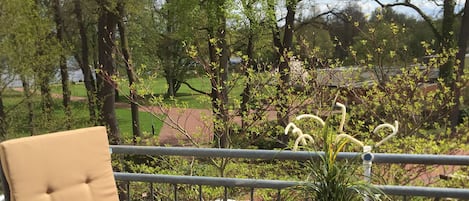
(44, 69)
(29, 103)
(253, 27)
(461, 57)
(60, 26)
(447, 41)
(219, 56)
(3, 126)
(284, 55)
(107, 23)
(83, 60)
(129, 69)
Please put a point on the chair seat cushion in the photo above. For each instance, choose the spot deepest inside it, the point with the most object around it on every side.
(64, 166)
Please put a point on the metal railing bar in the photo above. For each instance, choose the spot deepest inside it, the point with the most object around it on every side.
(252, 194)
(278, 184)
(428, 159)
(425, 191)
(222, 153)
(207, 181)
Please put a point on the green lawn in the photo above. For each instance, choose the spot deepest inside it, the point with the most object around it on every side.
(147, 121)
(18, 117)
(157, 88)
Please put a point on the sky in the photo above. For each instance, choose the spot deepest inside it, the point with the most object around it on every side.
(368, 6)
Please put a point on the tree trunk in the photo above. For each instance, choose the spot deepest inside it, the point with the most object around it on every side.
(447, 69)
(88, 79)
(218, 70)
(3, 124)
(219, 99)
(27, 94)
(284, 47)
(107, 69)
(223, 92)
(63, 64)
(171, 92)
(169, 67)
(130, 72)
(46, 97)
(461, 56)
(246, 95)
(171, 54)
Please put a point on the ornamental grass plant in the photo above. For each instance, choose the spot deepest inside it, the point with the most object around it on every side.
(333, 180)
(330, 179)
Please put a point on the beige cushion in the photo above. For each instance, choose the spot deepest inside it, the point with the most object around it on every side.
(64, 166)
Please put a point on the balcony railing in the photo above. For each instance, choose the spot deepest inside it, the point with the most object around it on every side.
(278, 185)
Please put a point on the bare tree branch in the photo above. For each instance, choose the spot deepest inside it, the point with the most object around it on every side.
(425, 17)
(194, 89)
(313, 20)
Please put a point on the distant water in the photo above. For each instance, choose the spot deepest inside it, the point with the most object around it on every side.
(74, 76)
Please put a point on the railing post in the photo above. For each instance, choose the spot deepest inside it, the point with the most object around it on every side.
(252, 194)
(152, 192)
(225, 197)
(127, 185)
(367, 158)
(200, 193)
(279, 196)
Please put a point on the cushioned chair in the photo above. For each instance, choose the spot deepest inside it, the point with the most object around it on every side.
(64, 166)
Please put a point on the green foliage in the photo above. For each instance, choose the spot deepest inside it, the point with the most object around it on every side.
(337, 182)
(406, 89)
(18, 116)
(26, 45)
(313, 42)
(382, 48)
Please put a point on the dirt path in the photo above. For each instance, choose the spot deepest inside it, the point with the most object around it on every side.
(181, 125)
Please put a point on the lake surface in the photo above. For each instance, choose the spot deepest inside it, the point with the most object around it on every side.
(74, 76)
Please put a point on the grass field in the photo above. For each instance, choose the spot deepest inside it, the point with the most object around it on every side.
(158, 87)
(147, 121)
(18, 117)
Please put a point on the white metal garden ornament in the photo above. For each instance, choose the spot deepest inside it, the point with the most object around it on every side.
(367, 155)
(302, 137)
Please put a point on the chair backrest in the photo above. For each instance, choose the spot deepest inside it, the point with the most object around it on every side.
(72, 165)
